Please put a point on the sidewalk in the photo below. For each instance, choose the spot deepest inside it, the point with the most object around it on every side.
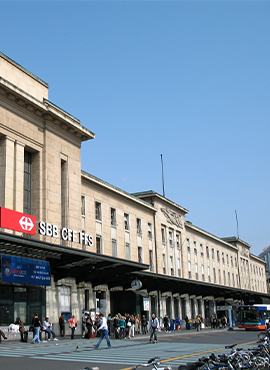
(15, 337)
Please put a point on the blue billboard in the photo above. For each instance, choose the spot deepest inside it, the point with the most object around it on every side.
(25, 270)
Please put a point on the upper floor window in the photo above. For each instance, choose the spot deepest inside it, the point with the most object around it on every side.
(140, 255)
(223, 259)
(188, 245)
(126, 221)
(150, 233)
(98, 244)
(98, 211)
(27, 183)
(213, 253)
(218, 257)
(177, 237)
(114, 248)
(172, 265)
(83, 205)
(163, 235)
(195, 248)
(151, 260)
(139, 226)
(207, 252)
(201, 246)
(171, 238)
(113, 217)
(164, 263)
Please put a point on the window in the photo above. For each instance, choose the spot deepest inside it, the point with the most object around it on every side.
(151, 260)
(27, 183)
(224, 275)
(83, 205)
(126, 221)
(228, 263)
(196, 271)
(207, 252)
(98, 211)
(177, 237)
(188, 245)
(150, 230)
(164, 263)
(189, 269)
(140, 255)
(171, 238)
(213, 253)
(113, 217)
(139, 226)
(229, 279)
(232, 261)
(172, 265)
(98, 244)
(215, 276)
(201, 246)
(114, 248)
(219, 276)
(128, 252)
(65, 293)
(203, 273)
(208, 273)
(218, 256)
(179, 267)
(223, 259)
(163, 236)
(195, 248)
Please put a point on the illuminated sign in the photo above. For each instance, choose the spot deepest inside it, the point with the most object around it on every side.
(25, 271)
(17, 221)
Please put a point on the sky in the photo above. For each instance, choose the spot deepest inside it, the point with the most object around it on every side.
(188, 80)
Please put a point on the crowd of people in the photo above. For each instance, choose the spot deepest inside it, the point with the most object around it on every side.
(119, 327)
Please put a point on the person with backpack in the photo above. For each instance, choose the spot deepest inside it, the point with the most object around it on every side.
(154, 325)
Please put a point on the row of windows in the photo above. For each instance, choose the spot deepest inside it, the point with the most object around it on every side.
(171, 271)
(99, 249)
(216, 255)
(226, 277)
(127, 226)
(171, 241)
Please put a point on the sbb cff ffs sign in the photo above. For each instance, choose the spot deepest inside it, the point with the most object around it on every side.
(17, 221)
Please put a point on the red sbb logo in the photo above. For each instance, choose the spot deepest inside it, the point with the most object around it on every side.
(17, 221)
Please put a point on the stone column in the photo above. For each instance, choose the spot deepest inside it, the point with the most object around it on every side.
(18, 176)
(7, 172)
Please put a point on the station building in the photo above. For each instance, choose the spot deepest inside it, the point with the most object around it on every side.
(91, 245)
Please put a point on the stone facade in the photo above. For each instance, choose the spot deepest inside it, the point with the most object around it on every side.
(143, 227)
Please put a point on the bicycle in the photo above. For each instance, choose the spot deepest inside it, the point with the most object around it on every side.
(155, 362)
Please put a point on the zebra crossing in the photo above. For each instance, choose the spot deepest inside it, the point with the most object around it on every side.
(126, 354)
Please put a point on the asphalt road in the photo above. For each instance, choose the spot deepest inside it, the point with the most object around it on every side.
(175, 348)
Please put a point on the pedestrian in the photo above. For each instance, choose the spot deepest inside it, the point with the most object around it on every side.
(73, 325)
(62, 325)
(89, 326)
(197, 322)
(154, 325)
(187, 322)
(2, 334)
(36, 325)
(22, 330)
(116, 328)
(224, 321)
(47, 328)
(166, 323)
(103, 329)
(144, 325)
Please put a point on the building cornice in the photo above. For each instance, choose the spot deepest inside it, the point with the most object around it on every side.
(151, 193)
(45, 109)
(116, 190)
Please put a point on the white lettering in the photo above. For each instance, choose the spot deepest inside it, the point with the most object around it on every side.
(42, 225)
(64, 233)
(74, 235)
(55, 231)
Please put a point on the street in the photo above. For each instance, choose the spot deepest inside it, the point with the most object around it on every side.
(175, 348)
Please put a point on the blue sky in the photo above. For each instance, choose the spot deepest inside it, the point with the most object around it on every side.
(185, 79)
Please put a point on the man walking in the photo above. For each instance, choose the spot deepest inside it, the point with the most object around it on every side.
(154, 325)
(103, 329)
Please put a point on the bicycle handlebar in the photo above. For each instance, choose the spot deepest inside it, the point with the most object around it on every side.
(150, 362)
